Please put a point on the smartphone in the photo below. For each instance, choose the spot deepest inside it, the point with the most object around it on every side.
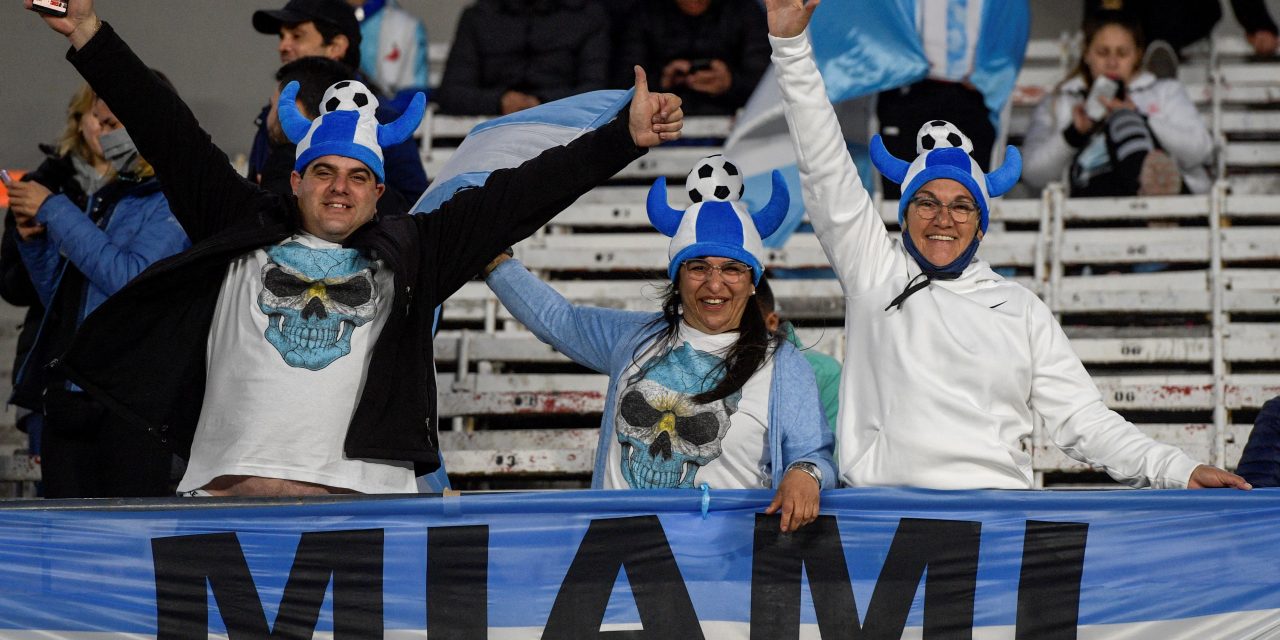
(1103, 88)
(57, 8)
(701, 64)
(6, 178)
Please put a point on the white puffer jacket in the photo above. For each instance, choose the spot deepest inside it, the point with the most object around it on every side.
(942, 392)
(1171, 115)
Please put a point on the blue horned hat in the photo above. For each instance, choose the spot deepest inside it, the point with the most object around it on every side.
(944, 153)
(346, 126)
(717, 224)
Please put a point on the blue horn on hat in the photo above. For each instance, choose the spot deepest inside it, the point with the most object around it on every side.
(1002, 180)
(769, 218)
(404, 126)
(892, 167)
(295, 124)
(661, 215)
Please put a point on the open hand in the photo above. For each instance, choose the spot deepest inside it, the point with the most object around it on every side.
(789, 18)
(1207, 477)
(654, 117)
(797, 496)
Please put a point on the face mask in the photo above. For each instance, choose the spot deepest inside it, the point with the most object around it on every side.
(118, 149)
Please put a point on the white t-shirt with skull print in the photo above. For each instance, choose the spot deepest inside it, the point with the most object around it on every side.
(288, 355)
(664, 440)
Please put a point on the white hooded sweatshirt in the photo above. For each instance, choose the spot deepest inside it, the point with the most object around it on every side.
(941, 392)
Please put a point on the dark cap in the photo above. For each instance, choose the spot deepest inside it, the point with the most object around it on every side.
(335, 12)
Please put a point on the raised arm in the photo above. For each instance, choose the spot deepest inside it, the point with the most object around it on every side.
(477, 224)
(203, 189)
(842, 212)
(588, 335)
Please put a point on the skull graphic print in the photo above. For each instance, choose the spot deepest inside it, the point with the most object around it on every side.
(665, 437)
(315, 299)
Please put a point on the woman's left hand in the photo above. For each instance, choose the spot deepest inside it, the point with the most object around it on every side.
(1207, 477)
(797, 497)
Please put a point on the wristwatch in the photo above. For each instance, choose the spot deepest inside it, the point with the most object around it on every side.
(809, 468)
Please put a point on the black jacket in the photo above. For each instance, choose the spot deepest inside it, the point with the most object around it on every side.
(734, 31)
(147, 360)
(551, 49)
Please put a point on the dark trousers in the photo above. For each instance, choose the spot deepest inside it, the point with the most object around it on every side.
(903, 111)
(88, 452)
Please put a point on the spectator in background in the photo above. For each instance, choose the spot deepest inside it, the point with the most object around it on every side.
(1183, 22)
(825, 368)
(711, 52)
(509, 55)
(969, 46)
(77, 257)
(1148, 139)
(74, 167)
(393, 49)
(1260, 461)
(328, 28)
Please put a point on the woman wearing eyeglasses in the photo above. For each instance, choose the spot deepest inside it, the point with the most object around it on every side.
(700, 393)
(947, 363)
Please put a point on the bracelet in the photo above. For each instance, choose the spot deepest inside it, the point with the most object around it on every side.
(809, 468)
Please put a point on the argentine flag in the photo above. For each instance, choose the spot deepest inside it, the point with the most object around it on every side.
(863, 47)
(509, 141)
(506, 142)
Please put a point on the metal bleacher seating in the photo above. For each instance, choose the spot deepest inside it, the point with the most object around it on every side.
(1188, 352)
(1182, 352)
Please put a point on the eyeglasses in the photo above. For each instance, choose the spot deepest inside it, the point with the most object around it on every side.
(928, 208)
(731, 272)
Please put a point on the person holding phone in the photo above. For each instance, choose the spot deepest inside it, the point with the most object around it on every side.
(712, 52)
(1119, 130)
(88, 222)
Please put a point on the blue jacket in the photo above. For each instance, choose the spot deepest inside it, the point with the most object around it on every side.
(605, 340)
(139, 230)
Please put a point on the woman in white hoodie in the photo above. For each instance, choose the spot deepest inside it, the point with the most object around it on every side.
(1148, 139)
(947, 363)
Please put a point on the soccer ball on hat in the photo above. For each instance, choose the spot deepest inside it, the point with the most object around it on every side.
(939, 134)
(714, 178)
(348, 95)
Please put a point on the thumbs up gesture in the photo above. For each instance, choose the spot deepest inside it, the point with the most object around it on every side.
(654, 117)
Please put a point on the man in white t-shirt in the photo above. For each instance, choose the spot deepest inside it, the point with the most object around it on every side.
(289, 352)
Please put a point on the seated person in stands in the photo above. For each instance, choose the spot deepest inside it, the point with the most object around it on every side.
(1260, 461)
(1184, 22)
(1119, 130)
(701, 393)
(509, 55)
(393, 49)
(711, 52)
(289, 352)
(947, 364)
(80, 252)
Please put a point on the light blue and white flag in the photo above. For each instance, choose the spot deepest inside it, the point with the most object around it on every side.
(863, 47)
(509, 141)
(506, 142)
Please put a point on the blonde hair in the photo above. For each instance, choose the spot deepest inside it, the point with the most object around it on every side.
(72, 141)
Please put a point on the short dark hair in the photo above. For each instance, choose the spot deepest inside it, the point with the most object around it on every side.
(329, 31)
(314, 74)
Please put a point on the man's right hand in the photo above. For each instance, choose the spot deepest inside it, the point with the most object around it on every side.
(80, 23)
(789, 18)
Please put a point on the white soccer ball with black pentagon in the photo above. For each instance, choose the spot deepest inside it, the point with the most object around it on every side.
(349, 95)
(939, 134)
(714, 178)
